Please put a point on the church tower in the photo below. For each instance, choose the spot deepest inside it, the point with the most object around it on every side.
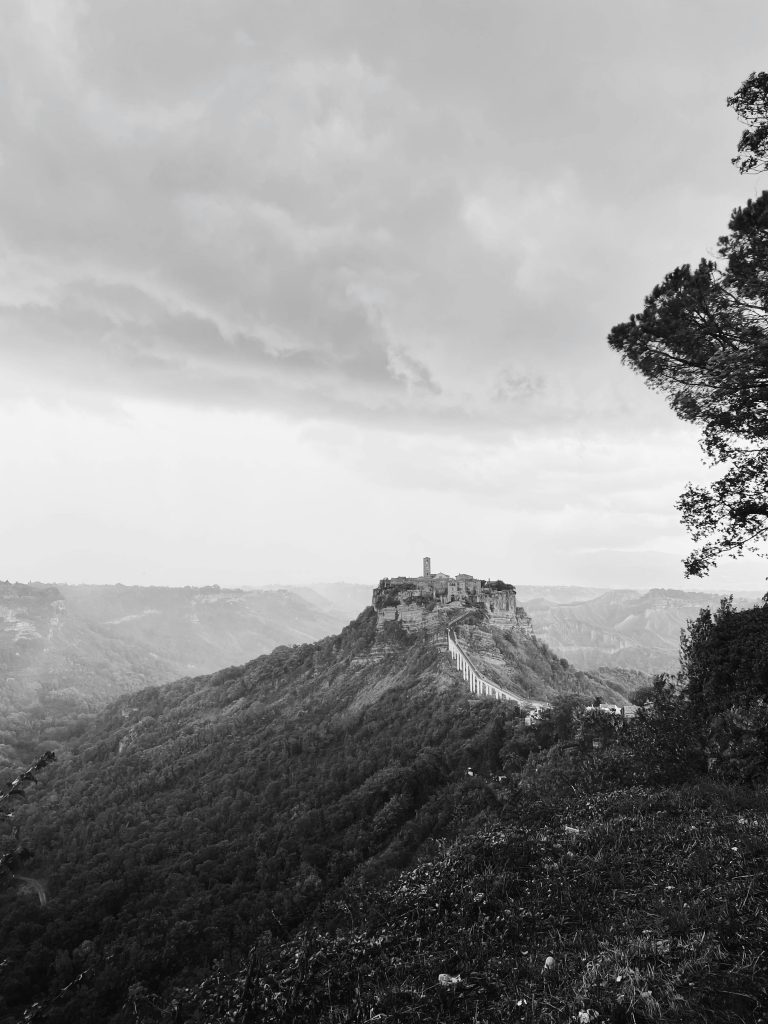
(427, 567)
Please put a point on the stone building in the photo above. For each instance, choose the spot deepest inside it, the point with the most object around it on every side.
(426, 603)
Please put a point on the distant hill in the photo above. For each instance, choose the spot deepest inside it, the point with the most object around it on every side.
(340, 600)
(201, 629)
(66, 651)
(627, 629)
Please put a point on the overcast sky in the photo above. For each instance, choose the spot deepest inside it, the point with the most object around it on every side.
(304, 291)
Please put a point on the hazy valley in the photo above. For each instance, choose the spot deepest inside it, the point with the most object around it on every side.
(631, 629)
(66, 651)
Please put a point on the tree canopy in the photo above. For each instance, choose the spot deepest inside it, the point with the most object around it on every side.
(701, 340)
(750, 101)
(724, 657)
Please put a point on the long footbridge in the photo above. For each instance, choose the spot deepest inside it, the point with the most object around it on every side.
(480, 684)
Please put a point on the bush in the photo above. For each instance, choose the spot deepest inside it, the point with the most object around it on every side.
(725, 656)
(664, 742)
(725, 667)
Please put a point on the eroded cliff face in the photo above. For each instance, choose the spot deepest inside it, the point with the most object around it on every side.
(432, 622)
(496, 634)
(517, 661)
(414, 620)
(420, 620)
(508, 655)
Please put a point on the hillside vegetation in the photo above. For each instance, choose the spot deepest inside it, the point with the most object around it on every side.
(189, 816)
(526, 666)
(646, 904)
(321, 834)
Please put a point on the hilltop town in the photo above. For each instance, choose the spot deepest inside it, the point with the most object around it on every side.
(428, 604)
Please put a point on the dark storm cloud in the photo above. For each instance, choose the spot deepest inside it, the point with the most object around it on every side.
(424, 212)
(186, 356)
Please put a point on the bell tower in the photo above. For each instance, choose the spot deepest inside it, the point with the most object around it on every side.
(427, 567)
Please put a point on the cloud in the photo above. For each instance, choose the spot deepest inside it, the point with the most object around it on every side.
(368, 215)
(179, 208)
(351, 266)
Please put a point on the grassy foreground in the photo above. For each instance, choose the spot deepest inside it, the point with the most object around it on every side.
(651, 903)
